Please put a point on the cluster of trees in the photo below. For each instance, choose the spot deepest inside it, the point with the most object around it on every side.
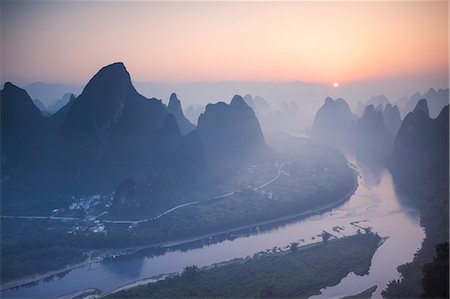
(269, 275)
(15, 265)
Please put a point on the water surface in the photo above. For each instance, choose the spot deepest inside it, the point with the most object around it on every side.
(375, 204)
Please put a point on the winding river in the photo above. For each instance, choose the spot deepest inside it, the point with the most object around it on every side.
(375, 204)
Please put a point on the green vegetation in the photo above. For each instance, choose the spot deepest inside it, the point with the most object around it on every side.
(420, 169)
(314, 177)
(431, 198)
(15, 265)
(435, 274)
(291, 273)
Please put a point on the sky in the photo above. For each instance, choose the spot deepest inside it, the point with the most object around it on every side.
(320, 42)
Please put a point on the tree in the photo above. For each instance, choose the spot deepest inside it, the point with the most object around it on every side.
(435, 274)
(190, 272)
(293, 247)
(325, 237)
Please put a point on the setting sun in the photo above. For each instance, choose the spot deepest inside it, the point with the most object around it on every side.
(335, 84)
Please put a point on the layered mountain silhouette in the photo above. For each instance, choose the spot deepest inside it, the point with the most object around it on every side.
(258, 104)
(96, 140)
(381, 100)
(392, 119)
(372, 140)
(111, 131)
(420, 153)
(230, 134)
(193, 112)
(419, 166)
(59, 103)
(49, 93)
(40, 106)
(110, 134)
(22, 131)
(333, 123)
(359, 109)
(367, 136)
(175, 109)
(436, 99)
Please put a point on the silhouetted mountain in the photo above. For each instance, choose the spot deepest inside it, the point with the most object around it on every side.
(22, 126)
(421, 147)
(59, 103)
(230, 134)
(201, 93)
(372, 141)
(422, 105)
(174, 107)
(378, 100)
(249, 100)
(40, 105)
(95, 141)
(262, 105)
(259, 105)
(111, 132)
(57, 119)
(379, 108)
(419, 166)
(193, 112)
(391, 117)
(333, 123)
(436, 101)
(48, 93)
(359, 110)
(288, 118)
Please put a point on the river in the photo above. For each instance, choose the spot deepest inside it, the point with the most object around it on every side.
(375, 204)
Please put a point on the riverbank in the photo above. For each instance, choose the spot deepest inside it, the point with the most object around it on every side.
(287, 273)
(100, 254)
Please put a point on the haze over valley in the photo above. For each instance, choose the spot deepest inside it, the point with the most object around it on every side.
(212, 150)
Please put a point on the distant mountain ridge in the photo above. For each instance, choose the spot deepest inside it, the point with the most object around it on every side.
(48, 93)
(108, 133)
(436, 99)
(380, 100)
(419, 167)
(392, 119)
(174, 107)
(333, 123)
(372, 140)
(112, 130)
(422, 139)
(22, 125)
(369, 136)
(230, 133)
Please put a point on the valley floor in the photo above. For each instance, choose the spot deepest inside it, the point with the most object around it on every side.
(296, 272)
(98, 255)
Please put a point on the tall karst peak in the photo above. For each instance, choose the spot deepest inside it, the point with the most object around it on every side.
(111, 79)
(16, 100)
(239, 102)
(175, 109)
(174, 103)
(328, 101)
(369, 111)
(422, 105)
(332, 122)
(230, 133)
(21, 126)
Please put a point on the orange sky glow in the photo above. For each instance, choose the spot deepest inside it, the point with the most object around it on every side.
(322, 42)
